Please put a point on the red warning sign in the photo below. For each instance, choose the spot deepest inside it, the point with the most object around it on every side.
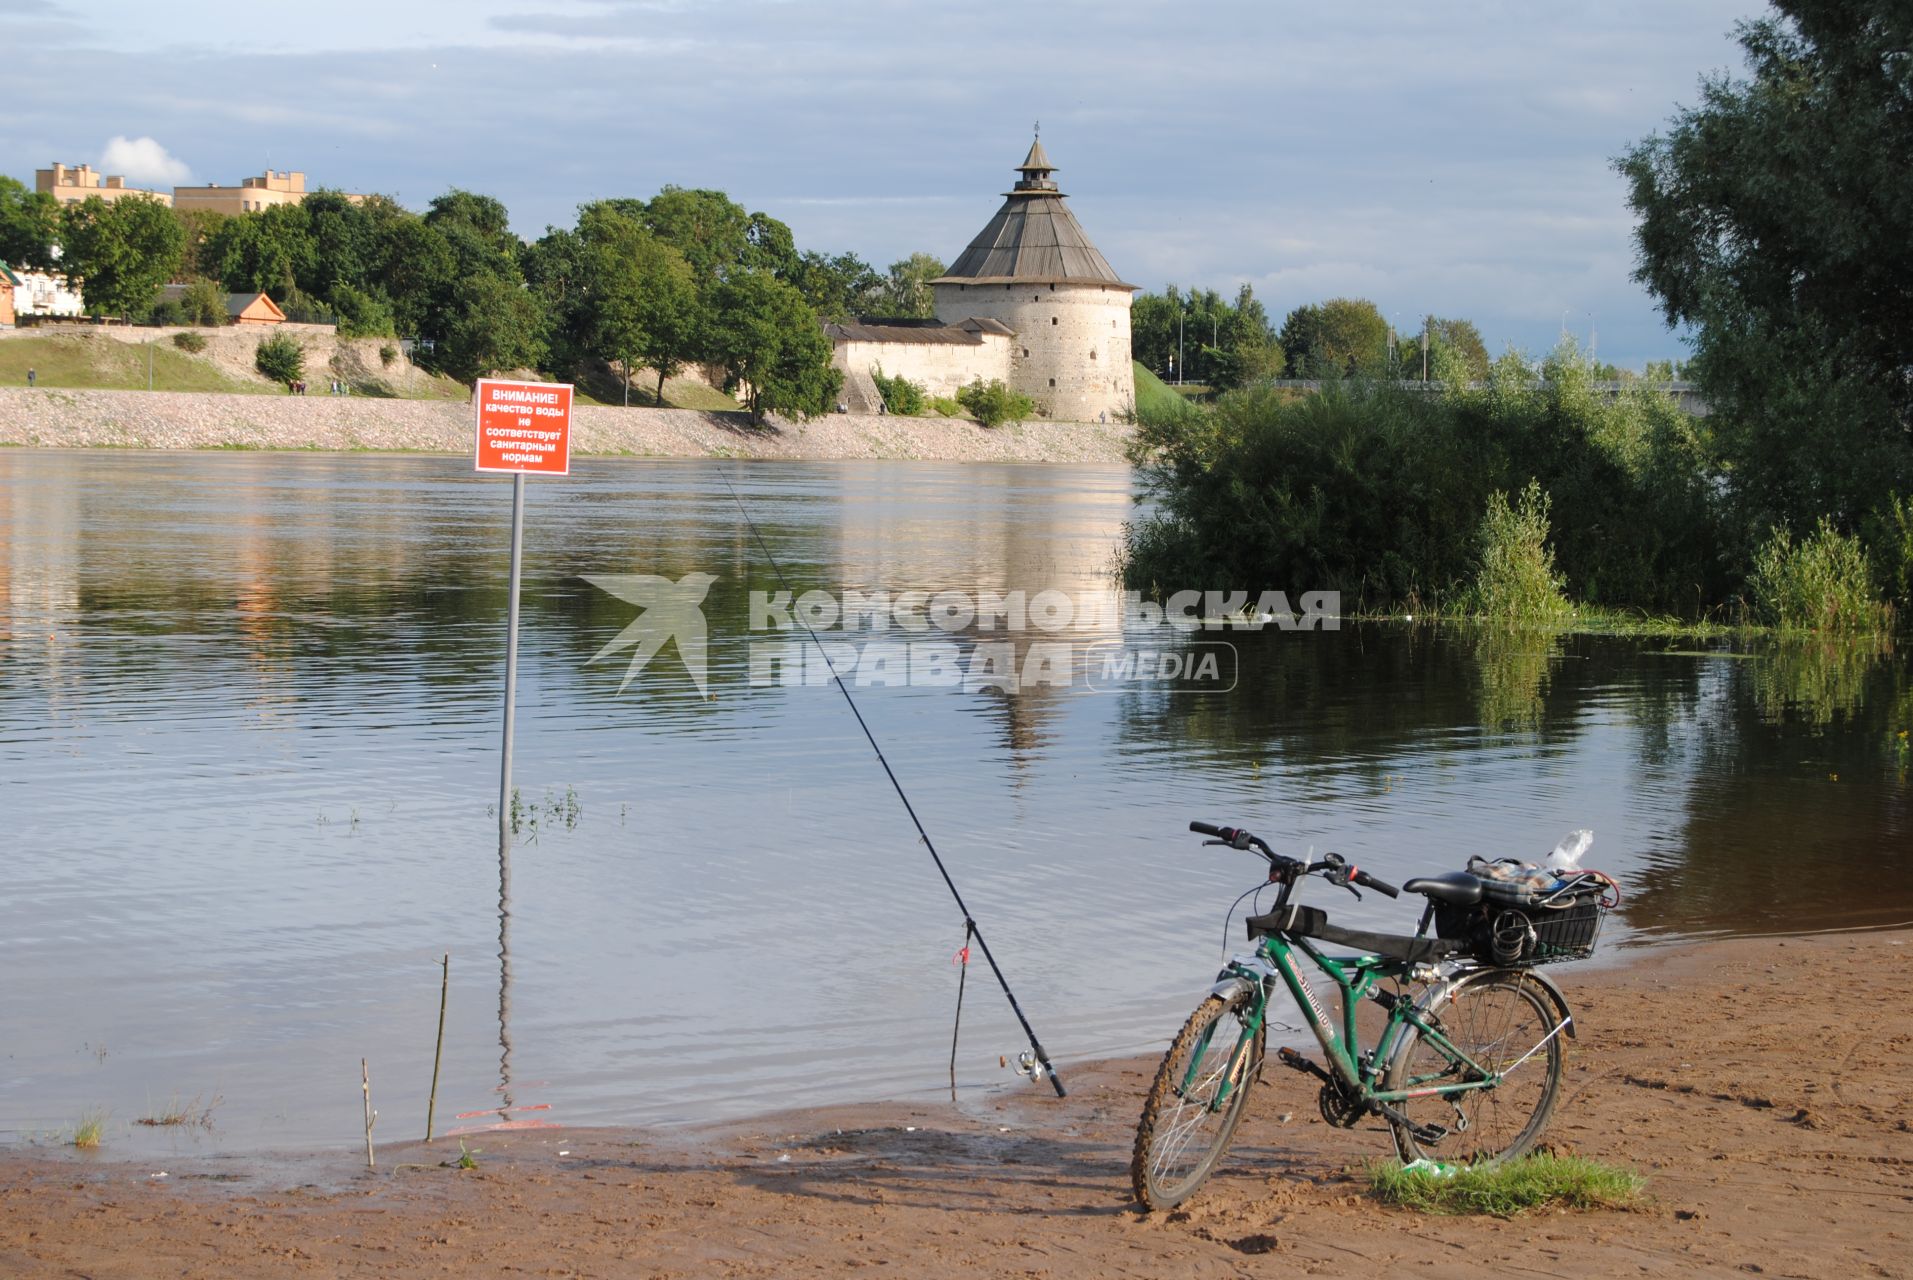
(523, 426)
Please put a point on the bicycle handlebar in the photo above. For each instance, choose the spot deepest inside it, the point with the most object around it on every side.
(1379, 886)
(1340, 870)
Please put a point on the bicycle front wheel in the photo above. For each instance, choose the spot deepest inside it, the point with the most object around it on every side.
(1507, 1025)
(1184, 1128)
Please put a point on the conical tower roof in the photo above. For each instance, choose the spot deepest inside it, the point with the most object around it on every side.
(1033, 239)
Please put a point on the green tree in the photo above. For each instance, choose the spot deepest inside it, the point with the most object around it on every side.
(636, 302)
(29, 226)
(484, 216)
(1455, 351)
(715, 233)
(1776, 219)
(122, 251)
(201, 228)
(362, 314)
(906, 287)
(342, 244)
(414, 267)
(1152, 329)
(554, 268)
(838, 287)
(1249, 352)
(203, 303)
(771, 347)
(1340, 338)
(491, 323)
(269, 251)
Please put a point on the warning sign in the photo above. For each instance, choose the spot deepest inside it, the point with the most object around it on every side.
(523, 426)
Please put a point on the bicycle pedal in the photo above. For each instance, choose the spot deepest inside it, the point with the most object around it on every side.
(1429, 1133)
(1290, 1058)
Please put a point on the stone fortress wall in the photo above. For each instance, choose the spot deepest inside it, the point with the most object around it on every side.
(941, 368)
(1071, 349)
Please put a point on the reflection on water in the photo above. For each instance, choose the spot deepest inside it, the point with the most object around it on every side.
(248, 738)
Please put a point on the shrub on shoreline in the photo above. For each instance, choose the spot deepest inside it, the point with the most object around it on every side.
(1824, 582)
(992, 404)
(1516, 580)
(900, 395)
(1379, 492)
(280, 358)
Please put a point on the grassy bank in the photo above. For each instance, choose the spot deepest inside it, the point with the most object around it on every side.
(78, 362)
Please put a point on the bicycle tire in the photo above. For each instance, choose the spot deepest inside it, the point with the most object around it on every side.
(1495, 1016)
(1172, 1123)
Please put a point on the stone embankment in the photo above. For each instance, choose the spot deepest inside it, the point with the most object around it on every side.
(55, 418)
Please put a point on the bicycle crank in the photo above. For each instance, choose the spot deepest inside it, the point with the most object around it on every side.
(1338, 1108)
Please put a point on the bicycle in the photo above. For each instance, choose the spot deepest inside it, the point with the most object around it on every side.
(1470, 1067)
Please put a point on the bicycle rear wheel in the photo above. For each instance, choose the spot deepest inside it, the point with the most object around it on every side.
(1499, 1018)
(1183, 1132)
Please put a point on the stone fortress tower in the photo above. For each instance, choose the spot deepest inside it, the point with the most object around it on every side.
(1031, 303)
(1035, 271)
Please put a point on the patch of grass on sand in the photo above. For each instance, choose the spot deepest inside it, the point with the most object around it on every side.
(74, 360)
(1504, 1190)
(192, 1115)
(90, 1131)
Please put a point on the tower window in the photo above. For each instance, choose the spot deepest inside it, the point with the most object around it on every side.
(1052, 382)
(1036, 297)
(1054, 320)
(1052, 288)
(1026, 353)
(1092, 355)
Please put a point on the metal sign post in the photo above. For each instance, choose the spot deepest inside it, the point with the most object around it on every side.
(520, 427)
(511, 660)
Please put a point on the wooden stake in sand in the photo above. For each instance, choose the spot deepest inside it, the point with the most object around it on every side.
(365, 1082)
(444, 985)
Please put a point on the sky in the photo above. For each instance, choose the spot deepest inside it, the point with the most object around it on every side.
(1453, 158)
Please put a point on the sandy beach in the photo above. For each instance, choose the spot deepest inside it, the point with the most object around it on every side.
(1760, 1085)
(55, 418)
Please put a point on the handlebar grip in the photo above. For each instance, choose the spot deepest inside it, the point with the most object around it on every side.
(1379, 886)
(1205, 829)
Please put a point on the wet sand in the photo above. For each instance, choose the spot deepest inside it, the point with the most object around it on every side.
(1761, 1085)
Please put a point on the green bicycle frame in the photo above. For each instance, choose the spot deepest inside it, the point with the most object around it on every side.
(1355, 978)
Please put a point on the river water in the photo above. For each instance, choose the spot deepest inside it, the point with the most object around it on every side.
(249, 745)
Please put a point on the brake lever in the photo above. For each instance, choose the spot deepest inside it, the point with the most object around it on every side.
(1339, 872)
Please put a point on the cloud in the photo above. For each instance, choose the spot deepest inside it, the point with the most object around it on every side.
(144, 161)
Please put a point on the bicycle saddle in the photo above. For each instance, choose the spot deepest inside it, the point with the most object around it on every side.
(1457, 888)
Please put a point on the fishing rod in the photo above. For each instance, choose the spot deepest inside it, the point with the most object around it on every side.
(969, 921)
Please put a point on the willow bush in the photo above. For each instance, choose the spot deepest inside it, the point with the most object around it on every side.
(1516, 580)
(1823, 582)
(1380, 493)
